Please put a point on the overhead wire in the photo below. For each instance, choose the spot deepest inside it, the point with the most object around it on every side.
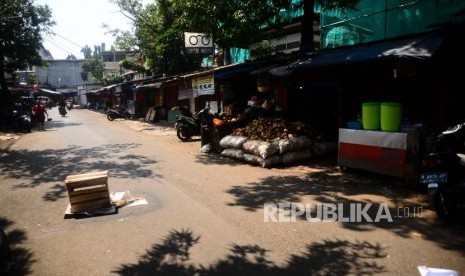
(61, 47)
(80, 47)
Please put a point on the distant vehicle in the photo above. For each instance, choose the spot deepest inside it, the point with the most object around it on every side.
(62, 111)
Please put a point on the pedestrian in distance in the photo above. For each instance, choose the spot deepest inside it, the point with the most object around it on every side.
(40, 111)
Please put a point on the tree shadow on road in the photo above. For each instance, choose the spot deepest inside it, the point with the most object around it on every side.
(326, 184)
(37, 167)
(327, 257)
(21, 258)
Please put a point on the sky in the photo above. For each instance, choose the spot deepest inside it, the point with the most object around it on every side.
(79, 23)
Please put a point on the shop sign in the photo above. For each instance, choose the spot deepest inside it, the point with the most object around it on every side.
(198, 43)
(203, 85)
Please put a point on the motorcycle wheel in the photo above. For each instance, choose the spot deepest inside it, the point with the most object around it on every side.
(183, 134)
(110, 117)
(445, 209)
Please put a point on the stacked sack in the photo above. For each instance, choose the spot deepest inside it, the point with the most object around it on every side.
(232, 146)
(295, 149)
(261, 153)
(266, 154)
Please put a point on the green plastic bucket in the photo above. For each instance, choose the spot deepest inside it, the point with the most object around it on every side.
(370, 116)
(390, 116)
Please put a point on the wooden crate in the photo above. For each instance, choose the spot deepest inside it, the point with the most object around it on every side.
(88, 192)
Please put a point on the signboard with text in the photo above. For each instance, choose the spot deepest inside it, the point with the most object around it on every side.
(203, 85)
(198, 43)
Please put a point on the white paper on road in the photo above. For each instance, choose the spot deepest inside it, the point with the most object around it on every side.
(125, 199)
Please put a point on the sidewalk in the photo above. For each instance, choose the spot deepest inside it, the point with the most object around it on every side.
(159, 128)
(7, 139)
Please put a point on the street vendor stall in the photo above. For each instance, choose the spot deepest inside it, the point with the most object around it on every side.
(394, 154)
(381, 146)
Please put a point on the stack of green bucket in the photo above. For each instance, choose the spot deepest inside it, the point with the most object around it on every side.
(384, 116)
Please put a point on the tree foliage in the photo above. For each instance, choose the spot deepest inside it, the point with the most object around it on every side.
(112, 78)
(95, 67)
(22, 25)
(264, 49)
(129, 64)
(87, 52)
(93, 64)
(308, 6)
(159, 27)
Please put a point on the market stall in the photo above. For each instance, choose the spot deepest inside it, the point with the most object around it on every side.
(381, 145)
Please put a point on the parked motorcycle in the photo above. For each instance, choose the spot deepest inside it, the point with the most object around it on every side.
(62, 111)
(22, 121)
(120, 112)
(188, 126)
(21, 118)
(443, 171)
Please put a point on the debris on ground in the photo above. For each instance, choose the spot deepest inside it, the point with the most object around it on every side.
(89, 195)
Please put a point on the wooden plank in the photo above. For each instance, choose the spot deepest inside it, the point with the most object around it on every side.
(71, 185)
(88, 197)
(91, 205)
(70, 177)
(88, 191)
(94, 189)
(83, 178)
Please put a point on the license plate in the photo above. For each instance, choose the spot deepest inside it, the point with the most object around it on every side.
(433, 177)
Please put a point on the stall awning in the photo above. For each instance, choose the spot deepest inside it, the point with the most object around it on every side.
(155, 85)
(47, 91)
(421, 47)
(236, 69)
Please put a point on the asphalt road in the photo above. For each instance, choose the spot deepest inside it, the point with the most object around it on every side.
(205, 214)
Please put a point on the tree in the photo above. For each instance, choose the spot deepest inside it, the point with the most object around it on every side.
(306, 31)
(159, 27)
(21, 27)
(93, 62)
(157, 34)
(71, 56)
(87, 52)
(112, 78)
(95, 67)
(264, 49)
